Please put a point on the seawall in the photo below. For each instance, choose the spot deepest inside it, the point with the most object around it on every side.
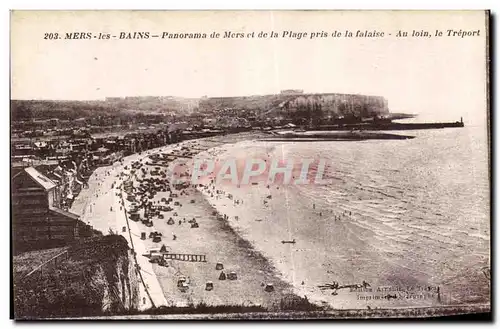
(392, 126)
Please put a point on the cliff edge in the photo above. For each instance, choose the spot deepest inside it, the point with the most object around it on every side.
(92, 277)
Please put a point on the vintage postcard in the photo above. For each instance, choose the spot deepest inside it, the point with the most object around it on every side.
(250, 164)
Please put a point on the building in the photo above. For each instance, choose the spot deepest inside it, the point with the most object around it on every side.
(37, 222)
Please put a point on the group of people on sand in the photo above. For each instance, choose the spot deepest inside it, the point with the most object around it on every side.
(210, 189)
(142, 194)
(346, 214)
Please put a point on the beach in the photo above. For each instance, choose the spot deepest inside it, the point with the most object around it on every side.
(372, 224)
(362, 231)
(100, 206)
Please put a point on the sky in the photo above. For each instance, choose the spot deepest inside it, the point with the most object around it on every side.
(440, 77)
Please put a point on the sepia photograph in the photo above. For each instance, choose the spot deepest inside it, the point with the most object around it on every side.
(250, 165)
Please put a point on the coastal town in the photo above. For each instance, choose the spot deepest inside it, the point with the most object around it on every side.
(107, 175)
(76, 182)
(68, 150)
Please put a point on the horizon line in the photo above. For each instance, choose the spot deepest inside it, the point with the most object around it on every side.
(106, 98)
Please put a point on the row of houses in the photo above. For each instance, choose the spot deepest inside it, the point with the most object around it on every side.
(98, 147)
(42, 194)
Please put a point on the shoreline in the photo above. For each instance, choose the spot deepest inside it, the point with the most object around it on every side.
(224, 203)
(218, 239)
(226, 240)
(269, 224)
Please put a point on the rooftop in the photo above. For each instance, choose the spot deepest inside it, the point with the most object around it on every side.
(41, 179)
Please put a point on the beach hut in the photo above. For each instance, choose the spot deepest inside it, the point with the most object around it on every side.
(219, 266)
(181, 280)
(143, 235)
(209, 286)
(222, 276)
(157, 239)
(232, 276)
(183, 287)
(134, 216)
(269, 287)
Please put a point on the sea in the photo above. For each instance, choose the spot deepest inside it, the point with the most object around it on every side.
(407, 217)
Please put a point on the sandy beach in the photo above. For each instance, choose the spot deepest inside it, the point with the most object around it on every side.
(344, 232)
(104, 203)
(364, 226)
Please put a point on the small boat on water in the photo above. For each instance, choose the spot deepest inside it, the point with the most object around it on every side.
(288, 241)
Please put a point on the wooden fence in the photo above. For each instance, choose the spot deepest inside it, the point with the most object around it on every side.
(185, 257)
